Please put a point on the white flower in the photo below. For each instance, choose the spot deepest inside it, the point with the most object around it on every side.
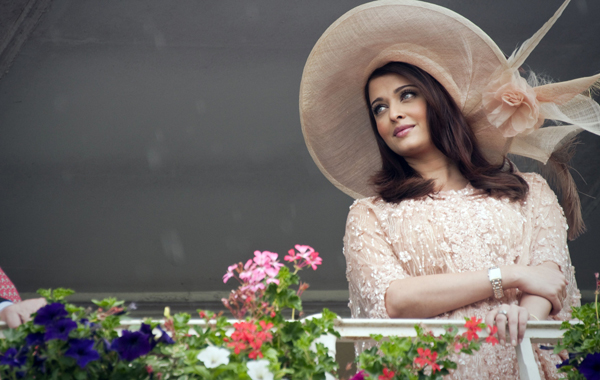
(329, 376)
(213, 357)
(259, 370)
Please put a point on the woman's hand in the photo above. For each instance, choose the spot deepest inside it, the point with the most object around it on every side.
(545, 280)
(513, 316)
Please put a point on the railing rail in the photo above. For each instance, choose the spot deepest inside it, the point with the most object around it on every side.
(352, 330)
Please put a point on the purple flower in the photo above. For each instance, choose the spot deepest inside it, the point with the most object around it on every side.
(60, 329)
(590, 367)
(131, 345)
(49, 313)
(13, 358)
(83, 351)
(34, 339)
(165, 338)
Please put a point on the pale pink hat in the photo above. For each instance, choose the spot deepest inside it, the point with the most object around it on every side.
(505, 111)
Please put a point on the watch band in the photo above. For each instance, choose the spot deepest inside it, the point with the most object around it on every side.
(495, 276)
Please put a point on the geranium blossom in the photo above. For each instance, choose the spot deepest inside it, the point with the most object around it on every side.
(387, 374)
(457, 347)
(213, 357)
(427, 357)
(306, 256)
(246, 335)
(491, 338)
(259, 370)
(473, 327)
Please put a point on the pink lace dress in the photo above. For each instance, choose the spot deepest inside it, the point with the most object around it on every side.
(452, 232)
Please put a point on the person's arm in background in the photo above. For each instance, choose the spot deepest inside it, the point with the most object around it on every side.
(14, 314)
(13, 311)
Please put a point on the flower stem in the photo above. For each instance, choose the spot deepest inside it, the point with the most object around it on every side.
(596, 304)
(294, 310)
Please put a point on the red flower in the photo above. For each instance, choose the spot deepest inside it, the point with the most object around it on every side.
(387, 375)
(491, 338)
(246, 336)
(473, 327)
(427, 357)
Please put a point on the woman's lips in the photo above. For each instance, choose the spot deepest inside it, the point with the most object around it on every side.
(403, 130)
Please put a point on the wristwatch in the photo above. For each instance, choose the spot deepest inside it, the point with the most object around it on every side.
(495, 276)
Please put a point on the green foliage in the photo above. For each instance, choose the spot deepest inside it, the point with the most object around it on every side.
(293, 349)
(580, 338)
(422, 357)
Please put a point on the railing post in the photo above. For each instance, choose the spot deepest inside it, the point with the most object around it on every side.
(528, 369)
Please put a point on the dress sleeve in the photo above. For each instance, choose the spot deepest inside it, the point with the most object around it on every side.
(549, 236)
(371, 264)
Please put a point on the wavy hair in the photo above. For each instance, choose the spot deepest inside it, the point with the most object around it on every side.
(451, 135)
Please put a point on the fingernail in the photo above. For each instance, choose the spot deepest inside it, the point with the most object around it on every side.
(514, 343)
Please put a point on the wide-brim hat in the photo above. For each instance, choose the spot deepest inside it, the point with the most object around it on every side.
(507, 113)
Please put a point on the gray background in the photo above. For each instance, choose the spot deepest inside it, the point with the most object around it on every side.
(147, 145)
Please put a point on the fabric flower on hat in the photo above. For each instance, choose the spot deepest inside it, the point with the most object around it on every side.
(511, 105)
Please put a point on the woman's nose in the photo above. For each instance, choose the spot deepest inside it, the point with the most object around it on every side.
(396, 113)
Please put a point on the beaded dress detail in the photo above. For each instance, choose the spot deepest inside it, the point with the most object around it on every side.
(453, 232)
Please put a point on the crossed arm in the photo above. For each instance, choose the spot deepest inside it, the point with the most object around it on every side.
(543, 287)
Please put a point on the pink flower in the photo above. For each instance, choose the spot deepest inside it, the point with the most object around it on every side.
(511, 105)
(359, 376)
(264, 258)
(457, 347)
(291, 256)
(229, 273)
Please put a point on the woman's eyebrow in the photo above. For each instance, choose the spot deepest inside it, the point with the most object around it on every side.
(395, 92)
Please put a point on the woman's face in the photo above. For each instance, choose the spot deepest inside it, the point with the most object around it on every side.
(400, 113)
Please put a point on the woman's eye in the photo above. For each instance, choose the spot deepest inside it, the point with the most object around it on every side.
(408, 94)
(378, 109)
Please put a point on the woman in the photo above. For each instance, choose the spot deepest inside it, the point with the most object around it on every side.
(444, 226)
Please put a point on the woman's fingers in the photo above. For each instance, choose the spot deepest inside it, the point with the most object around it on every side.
(501, 319)
(512, 317)
(513, 324)
(523, 318)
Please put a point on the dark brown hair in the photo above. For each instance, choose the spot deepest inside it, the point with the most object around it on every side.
(451, 135)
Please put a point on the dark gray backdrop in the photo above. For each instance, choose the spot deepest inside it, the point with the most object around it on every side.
(147, 145)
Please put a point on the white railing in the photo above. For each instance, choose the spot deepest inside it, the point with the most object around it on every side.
(537, 332)
(352, 330)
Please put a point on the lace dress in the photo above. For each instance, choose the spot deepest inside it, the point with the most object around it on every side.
(452, 232)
